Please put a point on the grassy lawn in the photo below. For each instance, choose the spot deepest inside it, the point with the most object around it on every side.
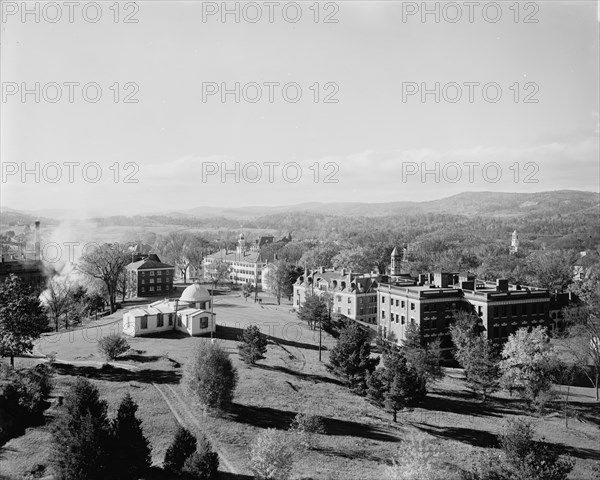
(360, 437)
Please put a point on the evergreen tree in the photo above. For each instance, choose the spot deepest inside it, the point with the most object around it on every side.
(396, 385)
(183, 446)
(202, 464)
(131, 449)
(351, 357)
(313, 310)
(253, 346)
(425, 360)
(211, 376)
(475, 354)
(81, 436)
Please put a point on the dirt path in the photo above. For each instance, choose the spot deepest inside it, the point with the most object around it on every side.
(186, 418)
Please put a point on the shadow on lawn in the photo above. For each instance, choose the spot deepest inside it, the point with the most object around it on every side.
(114, 374)
(462, 403)
(292, 343)
(304, 376)
(134, 357)
(234, 476)
(266, 417)
(471, 436)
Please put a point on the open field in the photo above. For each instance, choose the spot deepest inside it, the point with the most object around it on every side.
(360, 437)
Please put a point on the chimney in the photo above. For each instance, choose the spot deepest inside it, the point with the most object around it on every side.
(321, 269)
(343, 272)
(501, 285)
(467, 285)
(36, 239)
(422, 279)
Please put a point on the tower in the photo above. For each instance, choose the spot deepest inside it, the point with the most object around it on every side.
(514, 243)
(241, 248)
(396, 258)
(36, 240)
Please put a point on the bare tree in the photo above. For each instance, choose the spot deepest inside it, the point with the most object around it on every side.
(105, 263)
(57, 297)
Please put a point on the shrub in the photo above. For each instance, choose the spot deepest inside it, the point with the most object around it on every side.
(529, 459)
(183, 446)
(23, 396)
(253, 346)
(112, 346)
(523, 458)
(272, 456)
(416, 460)
(211, 376)
(202, 464)
(305, 426)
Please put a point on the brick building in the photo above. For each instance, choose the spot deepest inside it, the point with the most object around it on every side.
(150, 277)
(431, 304)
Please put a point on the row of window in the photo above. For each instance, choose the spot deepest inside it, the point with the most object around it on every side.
(160, 321)
(518, 310)
(151, 280)
(152, 273)
(158, 288)
(397, 317)
(399, 303)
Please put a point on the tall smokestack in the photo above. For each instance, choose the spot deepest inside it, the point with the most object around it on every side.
(36, 239)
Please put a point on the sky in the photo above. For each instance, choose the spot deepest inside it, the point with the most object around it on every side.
(137, 109)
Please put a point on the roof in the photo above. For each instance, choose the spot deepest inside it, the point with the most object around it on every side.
(150, 263)
(233, 256)
(195, 293)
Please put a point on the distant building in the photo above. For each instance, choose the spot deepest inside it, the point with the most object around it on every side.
(431, 303)
(353, 295)
(26, 263)
(246, 264)
(150, 277)
(191, 313)
(514, 243)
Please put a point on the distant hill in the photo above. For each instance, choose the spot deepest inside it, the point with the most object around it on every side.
(468, 203)
(562, 202)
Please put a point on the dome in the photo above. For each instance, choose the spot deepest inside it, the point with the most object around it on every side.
(195, 293)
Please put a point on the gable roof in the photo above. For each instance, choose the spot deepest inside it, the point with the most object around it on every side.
(150, 263)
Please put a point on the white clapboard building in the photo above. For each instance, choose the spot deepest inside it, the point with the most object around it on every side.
(191, 313)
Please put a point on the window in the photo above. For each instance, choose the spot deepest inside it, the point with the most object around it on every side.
(204, 322)
(382, 299)
(349, 300)
(159, 280)
(348, 311)
(402, 320)
(412, 321)
(170, 319)
(382, 314)
(397, 302)
(144, 323)
(495, 312)
(159, 320)
(360, 300)
(513, 310)
(151, 289)
(179, 320)
(397, 318)
(412, 306)
(151, 273)
(151, 280)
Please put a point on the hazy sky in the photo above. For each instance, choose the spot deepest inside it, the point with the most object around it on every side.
(374, 61)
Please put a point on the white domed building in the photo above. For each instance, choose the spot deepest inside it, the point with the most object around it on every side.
(191, 313)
